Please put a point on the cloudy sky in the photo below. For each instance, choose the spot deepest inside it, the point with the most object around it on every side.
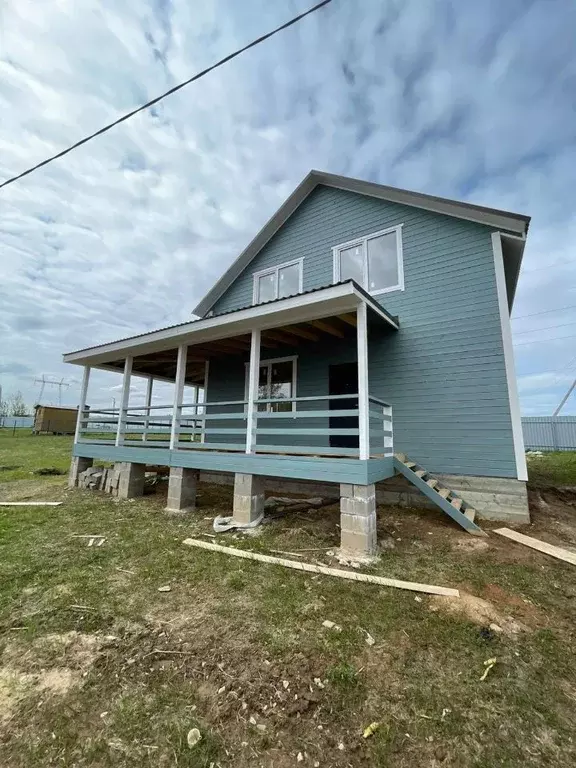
(473, 100)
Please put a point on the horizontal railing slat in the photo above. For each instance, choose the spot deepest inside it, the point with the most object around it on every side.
(308, 414)
(279, 430)
(304, 449)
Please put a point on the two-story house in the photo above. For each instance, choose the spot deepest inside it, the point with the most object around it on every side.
(361, 339)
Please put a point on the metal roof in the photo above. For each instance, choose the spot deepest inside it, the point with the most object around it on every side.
(492, 217)
(391, 318)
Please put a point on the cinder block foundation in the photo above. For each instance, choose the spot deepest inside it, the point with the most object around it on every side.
(493, 498)
(130, 479)
(358, 519)
(182, 488)
(248, 497)
(78, 465)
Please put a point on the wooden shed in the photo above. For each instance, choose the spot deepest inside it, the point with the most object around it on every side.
(48, 418)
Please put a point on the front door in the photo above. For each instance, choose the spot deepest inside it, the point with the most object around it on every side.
(343, 380)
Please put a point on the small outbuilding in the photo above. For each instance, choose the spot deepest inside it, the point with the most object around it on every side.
(59, 421)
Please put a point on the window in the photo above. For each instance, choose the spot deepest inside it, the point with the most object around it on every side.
(277, 380)
(374, 262)
(278, 282)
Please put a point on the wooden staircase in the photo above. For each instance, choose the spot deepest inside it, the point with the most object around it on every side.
(448, 501)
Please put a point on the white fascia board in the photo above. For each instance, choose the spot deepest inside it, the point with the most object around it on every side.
(334, 299)
(506, 326)
(375, 307)
(459, 210)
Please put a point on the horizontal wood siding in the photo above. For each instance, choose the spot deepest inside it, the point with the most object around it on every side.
(226, 381)
(443, 372)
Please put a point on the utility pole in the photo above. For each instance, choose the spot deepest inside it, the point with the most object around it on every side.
(46, 382)
(566, 396)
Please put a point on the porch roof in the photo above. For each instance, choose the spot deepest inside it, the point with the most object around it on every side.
(283, 320)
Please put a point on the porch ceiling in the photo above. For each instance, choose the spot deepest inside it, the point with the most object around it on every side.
(320, 315)
(162, 364)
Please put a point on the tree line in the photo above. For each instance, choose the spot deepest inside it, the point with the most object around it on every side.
(14, 406)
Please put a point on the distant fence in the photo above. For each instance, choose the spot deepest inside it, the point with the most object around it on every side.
(549, 433)
(17, 422)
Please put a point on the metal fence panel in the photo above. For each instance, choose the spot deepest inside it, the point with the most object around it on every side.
(549, 433)
(17, 422)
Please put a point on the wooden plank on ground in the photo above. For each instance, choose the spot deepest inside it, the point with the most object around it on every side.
(30, 503)
(541, 546)
(326, 571)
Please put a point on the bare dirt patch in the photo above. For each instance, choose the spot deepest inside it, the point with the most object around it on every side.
(51, 665)
(477, 610)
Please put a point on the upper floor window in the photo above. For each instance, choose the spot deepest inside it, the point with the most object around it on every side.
(374, 261)
(278, 282)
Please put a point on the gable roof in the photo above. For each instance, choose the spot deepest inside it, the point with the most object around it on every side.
(512, 222)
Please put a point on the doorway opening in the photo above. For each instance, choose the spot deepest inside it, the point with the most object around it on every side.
(343, 380)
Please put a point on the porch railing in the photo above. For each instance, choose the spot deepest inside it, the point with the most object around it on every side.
(325, 425)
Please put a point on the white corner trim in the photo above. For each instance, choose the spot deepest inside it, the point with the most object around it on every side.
(275, 270)
(518, 438)
(363, 241)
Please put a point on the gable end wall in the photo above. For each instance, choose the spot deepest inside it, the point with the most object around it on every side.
(444, 371)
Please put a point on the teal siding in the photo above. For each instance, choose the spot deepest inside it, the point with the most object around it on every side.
(226, 381)
(443, 371)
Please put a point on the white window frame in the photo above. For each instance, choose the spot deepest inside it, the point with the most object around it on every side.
(293, 359)
(363, 241)
(275, 271)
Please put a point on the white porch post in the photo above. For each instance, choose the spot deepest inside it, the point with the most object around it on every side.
(124, 400)
(253, 376)
(194, 402)
(362, 343)
(82, 403)
(204, 400)
(178, 394)
(148, 403)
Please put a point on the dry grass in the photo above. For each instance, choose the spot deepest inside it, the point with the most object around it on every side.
(100, 669)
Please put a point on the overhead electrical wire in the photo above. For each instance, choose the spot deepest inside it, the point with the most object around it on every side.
(545, 328)
(545, 312)
(150, 103)
(543, 341)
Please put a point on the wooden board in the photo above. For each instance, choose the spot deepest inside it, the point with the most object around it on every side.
(541, 546)
(311, 568)
(30, 503)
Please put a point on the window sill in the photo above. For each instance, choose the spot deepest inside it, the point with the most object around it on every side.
(394, 289)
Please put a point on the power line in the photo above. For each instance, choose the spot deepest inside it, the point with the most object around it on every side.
(543, 341)
(545, 312)
(546, 328)
(167, 93)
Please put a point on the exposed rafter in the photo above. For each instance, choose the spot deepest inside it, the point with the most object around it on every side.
(323, 325)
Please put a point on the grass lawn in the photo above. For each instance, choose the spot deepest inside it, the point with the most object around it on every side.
(99, 668)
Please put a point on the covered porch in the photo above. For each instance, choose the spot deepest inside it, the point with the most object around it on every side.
(284, 418)
(278, 389)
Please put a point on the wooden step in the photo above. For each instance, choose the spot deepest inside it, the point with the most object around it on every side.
(470, 513)
(456, 503)
(432, 482)
(410, 464)
(421, 473)
(444, 492)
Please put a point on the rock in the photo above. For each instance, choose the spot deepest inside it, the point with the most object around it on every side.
(299, 757)
(331, 625)
(193, 737)
(261, 727)
(166, 588)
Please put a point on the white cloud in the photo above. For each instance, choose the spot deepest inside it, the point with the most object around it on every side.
(469, 100)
